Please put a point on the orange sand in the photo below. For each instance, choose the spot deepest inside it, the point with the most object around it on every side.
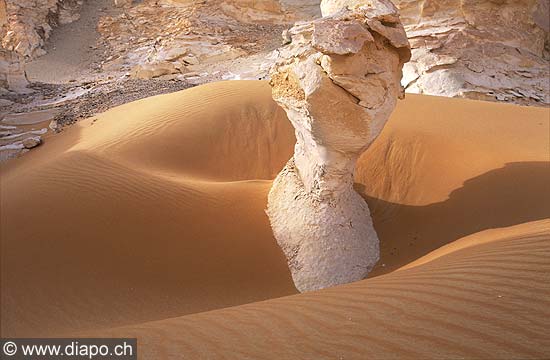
(131, 223)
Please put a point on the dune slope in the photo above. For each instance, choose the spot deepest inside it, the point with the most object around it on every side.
(485, 301)
(132, 217)
(152, 211)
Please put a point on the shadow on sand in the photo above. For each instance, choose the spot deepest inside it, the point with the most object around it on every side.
(517, 193)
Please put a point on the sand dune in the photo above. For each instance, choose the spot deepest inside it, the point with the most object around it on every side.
(118, 221)
(487, 301)
(133, 222)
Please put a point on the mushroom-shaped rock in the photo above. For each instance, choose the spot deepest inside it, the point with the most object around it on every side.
(338, 81)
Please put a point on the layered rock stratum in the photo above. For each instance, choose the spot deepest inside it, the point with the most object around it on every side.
(495, 50)
(338, 81)
(488, 49)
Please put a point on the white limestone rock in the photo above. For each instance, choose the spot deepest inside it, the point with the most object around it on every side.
(483, 49)
(478, 49)
(155, 70)
(29, 23)
(123, 3)
(271, 11)
(338, 89)
(30, 118)
(32, 142)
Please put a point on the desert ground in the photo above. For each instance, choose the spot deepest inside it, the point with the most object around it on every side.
(148, 221)
(140, 142)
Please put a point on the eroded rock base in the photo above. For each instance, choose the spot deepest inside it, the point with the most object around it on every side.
(316, 236)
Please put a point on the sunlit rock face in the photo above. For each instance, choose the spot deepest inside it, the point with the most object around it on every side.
(29, 23)
(274, 11)
(481, 49)
(494, 50)
(168, 38)
(123, 3)
(25, 25)
(12, 72)
(338, 81)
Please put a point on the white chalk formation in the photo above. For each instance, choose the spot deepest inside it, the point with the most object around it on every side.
(338, 81)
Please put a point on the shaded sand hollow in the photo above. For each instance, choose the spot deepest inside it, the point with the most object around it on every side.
(140, 221)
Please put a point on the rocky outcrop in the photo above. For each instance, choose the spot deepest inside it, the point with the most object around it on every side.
(273, 11)
(20, 132)
(24, 27)
(494, 50)
(338, 81)
(30, 23)
(15, 142)
(157, 36)
(123, 3)
(481, 49)
(12, 73)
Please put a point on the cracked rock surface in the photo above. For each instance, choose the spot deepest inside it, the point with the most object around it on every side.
(338, 81)
(487, 50)
(496, 50)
